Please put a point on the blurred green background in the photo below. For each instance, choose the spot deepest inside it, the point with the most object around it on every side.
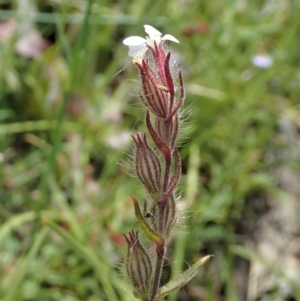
(68, 105)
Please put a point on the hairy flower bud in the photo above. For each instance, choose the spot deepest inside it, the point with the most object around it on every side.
(168, 133)
(138, 265)
(155, 96)
(168, 217)
(147, 165)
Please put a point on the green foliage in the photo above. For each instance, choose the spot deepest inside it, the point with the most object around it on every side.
(65, 124)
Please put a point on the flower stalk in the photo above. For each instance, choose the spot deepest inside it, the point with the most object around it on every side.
(157, 165)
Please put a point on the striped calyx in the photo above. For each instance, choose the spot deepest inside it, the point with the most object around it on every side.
(138, 265)
(147, 165)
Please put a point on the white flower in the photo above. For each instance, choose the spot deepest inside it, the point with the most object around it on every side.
(138, 45)
(262, 61)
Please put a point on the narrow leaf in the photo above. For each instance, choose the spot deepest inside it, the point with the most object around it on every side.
(99, 266)
(14, 222)
(151, 234)
(182, 279)
(22, 268)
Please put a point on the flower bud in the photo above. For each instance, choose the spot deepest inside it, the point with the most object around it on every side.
(138, 265)
(147, 165)
(168, 133)
(170, 216)
(155, 96)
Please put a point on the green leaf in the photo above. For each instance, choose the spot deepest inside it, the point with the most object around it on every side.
(14, 222)
(100, 267)
(151, 234)
(21, 269)
(182, 279)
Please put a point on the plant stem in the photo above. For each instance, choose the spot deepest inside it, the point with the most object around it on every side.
(157, 274)
(166, 177)
(159, 256)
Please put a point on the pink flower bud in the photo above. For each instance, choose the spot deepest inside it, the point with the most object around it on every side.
(138, 265)
(155, 96)
(147, 165)
(168, 133)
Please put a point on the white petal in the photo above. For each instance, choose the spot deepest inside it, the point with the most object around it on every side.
(134, 41)
(137, 50)
(262, 61)
(170, 38)
(152, 32)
